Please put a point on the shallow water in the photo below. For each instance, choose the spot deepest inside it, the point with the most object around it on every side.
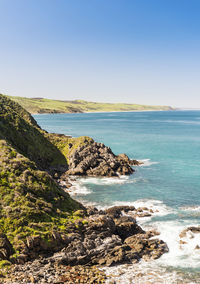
(168, 182)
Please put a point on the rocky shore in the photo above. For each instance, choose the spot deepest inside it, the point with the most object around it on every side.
(100, 238)
(45, 235)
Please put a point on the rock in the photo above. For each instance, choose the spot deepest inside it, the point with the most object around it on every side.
(116, 211)
(22, 258)
(126, 226)
(124, 157)
(145, 248)
(182, 242)
(95, 159)
(194, 230)
(6, 249)
(107, 238)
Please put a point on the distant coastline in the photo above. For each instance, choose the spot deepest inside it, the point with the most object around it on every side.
(42, 106)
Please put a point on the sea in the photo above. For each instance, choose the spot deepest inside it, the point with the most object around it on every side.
(168, 182)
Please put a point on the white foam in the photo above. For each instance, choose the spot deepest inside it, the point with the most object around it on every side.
(105, 181)
(180, 255)
(158, 207)
(147, 163)
(143, 272)
(111, 180)
(157, 271)
(191, 208)
(77, 189)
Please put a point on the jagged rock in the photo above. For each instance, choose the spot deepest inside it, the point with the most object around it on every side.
(116, 211)
(146, 248)
(126, 226)
(124, 157)
(96, 159)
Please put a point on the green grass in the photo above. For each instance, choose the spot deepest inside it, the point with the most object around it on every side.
(41, 105)
(32, 203)
(19, 128)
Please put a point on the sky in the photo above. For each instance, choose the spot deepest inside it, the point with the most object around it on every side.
(133, 51)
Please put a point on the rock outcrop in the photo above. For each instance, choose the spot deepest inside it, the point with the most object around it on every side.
(97, 238)
(95, 159)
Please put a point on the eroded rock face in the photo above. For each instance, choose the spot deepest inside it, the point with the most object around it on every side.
(102, 240)
(107, 240)
(96, 159)
(6, 249)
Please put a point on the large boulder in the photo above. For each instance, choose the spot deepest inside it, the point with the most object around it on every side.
(95, 159)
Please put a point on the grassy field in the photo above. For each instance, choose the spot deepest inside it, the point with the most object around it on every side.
(41, 105)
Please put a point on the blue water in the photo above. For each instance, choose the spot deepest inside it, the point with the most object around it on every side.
(171, 139)
(169, 142)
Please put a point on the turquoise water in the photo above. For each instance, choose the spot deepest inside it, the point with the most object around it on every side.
(169, 180)
(170, 139)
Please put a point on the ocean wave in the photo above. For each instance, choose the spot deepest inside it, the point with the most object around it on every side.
(146, 272)
(179, 255)
(191, 208)
(80, 185)
(179, 265)
(147, 163)
(105, 181)
(157, 206)
(77, 189)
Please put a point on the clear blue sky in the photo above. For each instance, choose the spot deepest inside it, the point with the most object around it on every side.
(136, 51)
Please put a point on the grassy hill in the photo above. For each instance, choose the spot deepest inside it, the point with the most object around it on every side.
(41, 105)
(20, 130)
(32, 205)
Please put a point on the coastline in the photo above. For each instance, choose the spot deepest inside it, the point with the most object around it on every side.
(123, 234)
(156, 270)
(124, 111)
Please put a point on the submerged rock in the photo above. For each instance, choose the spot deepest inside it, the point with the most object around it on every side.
(194, 230)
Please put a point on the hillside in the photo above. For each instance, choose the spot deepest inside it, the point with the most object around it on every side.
(41, 226)
(32, 204)
(41, 105)
(20, 129)
(34, 209)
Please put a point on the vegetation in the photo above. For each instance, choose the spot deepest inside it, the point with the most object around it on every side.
(32, 203)
(67, 145)
(41, 105)
(20, 129)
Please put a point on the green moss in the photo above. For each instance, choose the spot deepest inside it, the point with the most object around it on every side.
(31, 202)
(67, 145)
(4, 263)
